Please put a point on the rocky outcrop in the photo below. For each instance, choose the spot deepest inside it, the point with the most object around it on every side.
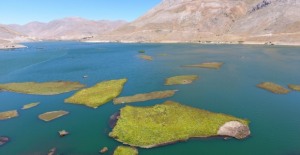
(234, 129)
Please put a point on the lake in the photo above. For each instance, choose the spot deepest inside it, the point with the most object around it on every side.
(275, 119)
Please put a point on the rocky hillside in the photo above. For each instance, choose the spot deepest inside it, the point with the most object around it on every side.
(67, 28)
(214, 21)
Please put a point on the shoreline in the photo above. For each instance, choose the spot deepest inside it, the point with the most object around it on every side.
(11, 46)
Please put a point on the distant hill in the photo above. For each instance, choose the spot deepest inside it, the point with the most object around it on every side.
(214, 21)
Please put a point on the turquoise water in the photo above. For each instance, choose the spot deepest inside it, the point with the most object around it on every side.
(275, 124)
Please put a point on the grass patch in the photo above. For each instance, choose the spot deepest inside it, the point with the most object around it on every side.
(183, 79)
(125, 150)
(99, 94)
(274, 88)
(30, 105)
(294, 87)
(165, 123)
(209, 65)
(49, 116)
(46, 88)
(145, 97)
(146, 57)
(8, 114)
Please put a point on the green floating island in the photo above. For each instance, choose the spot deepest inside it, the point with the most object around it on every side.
(125, 150)
(183, 79)
(99, 94)
(209, 65)
(49, 116)
(142, 51)
(170, 122)
(146, 57)
(30, 105)
(145, 97)
(8, 114)
(294, 87)
(46, 88)
(274, 88)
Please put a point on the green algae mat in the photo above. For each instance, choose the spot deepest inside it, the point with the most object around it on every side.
(125, 150)
(46, 88)
(182, 79)
(170, 122)
(274, 88)
(99, 94)
(49, 116)
(209, 65)
(30, 105)
(294, 87)
(8, 114)
(145, 97)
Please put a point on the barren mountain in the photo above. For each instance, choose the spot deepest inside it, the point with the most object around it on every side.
(9, 37)
(214, 20)
(67, 29)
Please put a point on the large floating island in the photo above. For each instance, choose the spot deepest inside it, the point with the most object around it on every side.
(209, 65)
(46, 88)
(181, 79)
(170, 122)
(125, 150)
(272, 87)
(8, 114)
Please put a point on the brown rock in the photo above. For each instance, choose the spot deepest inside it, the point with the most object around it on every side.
(103, 150)
(234, 129)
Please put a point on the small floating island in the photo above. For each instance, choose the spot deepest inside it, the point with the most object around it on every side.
(145, 97)
(125, 150)
(182, 79)
(146, 57)
(99, 94)
(45, 88)
(30, 105)
(170, 122)
(294, 87)
(49, 116)
(209, 65)
(274, 88)
(8, 114)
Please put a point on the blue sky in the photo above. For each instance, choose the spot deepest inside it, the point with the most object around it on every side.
(24, 11)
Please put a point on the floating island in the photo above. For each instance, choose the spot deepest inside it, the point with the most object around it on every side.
(49, 116)
(170, 122)
(8, 114)
(125, 150)
(99, 94)
(294, 87)
(182, 79)
(145, 97)
(274, 88)
(146, 57)
(209, 65)
(30, 105)
(142, 51)
(46, 88)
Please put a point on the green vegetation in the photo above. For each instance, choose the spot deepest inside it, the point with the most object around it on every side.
(8, 114)
(209, 65)
(183, 79)
(294, 87)
(30, 105)
(49, 116)
(274, 88)
(146, 57)
(142, 51)
(145, 97)
(46, 88)
(125, 150)
(169, 122)
(99, 94)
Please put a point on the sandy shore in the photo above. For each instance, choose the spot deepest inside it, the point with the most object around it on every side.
(11, 46)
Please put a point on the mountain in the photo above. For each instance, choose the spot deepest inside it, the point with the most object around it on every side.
(258, 21)
(73, 28)
(9, 37)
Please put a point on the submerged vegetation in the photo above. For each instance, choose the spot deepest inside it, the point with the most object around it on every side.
(294, 87)
(30, 105)
(274, 88)
(209, 65)
(49, 116)
(183, 79)
(146, 57)
(99, 94)
(46, 88)
(8, 114)
(169, 122)
(125, 150)
(145, 97)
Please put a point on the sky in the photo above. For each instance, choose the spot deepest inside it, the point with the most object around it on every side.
(25, 11)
